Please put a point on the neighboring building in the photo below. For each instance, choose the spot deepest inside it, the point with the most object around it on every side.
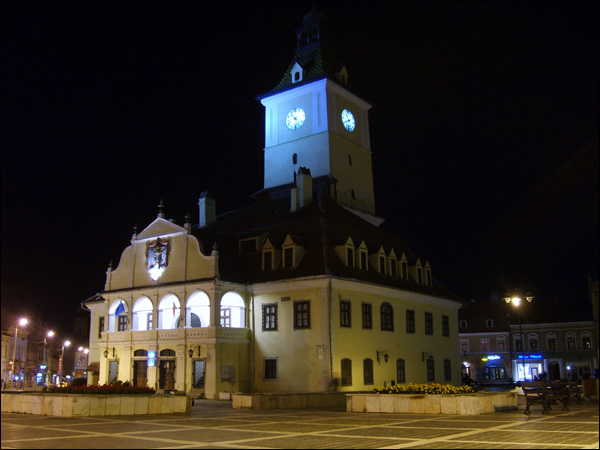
(558, 343)
(19, 371)
(299, 292)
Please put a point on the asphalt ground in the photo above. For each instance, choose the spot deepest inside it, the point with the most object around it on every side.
(214, 424)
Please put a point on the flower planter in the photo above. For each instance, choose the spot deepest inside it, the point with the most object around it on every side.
(76, 405)
(454, 404)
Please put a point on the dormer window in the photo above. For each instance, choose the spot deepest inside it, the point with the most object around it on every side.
(267, 260)
(428, 277)
(403, 267)
(296, 73)
(288, 257)
(419, 275)
(382, 264)
(350, 257)
(393, 264)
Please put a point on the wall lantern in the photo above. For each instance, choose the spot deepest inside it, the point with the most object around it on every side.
(191, 351)
(106, 352)
(382, 353)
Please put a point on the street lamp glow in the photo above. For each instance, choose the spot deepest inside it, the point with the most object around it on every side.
(516, 300)
(22, 322)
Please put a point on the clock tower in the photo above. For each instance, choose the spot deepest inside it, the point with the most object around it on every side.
(313, 119)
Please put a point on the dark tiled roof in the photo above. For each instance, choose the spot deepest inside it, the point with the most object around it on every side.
(318, 228)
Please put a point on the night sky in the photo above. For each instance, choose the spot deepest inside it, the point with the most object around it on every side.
(484, 133)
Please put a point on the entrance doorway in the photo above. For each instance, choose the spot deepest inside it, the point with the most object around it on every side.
(167, 375)
(140, 373)
(199, 370)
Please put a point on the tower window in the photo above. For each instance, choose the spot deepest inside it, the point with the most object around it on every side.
(295, 158)
(350, 160)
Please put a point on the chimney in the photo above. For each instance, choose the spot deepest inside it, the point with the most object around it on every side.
(208, 209)
(302, 194)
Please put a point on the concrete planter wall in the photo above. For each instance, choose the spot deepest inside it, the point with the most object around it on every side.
(458, 404)
(289, 401)
(75, 405)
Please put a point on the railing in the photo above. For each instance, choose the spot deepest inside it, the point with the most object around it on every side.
(179, 334)
(346, 199)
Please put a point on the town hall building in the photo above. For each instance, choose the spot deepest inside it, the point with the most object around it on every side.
(299, 292)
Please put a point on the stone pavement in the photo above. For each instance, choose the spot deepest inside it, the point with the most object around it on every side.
(213, 424)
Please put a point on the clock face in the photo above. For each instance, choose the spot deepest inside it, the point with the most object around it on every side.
(295, 118)
(348, 120)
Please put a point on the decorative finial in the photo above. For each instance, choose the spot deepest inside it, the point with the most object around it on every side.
(161, 207)
(135, 231)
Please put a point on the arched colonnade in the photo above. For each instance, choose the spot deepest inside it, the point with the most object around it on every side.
(166, 314)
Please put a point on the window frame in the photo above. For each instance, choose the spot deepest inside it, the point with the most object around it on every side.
(368, 377)
(445, 325)
(345, 314)
(271, 370)
(428, 323)
(410, 321)
(400, 370)
(301, 314)
(269, 325)
(386, 317)
(367, 316)
(346, 366)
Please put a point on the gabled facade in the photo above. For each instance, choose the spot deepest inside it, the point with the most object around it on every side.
(299, 292)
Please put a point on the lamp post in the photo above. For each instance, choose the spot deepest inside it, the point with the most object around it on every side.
(516, 301)
(49, 334)
(22, 323)
(62, 362)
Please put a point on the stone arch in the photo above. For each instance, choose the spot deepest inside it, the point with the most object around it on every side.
(232, 310)
(168, 312)
(141, 319)
(197, 310)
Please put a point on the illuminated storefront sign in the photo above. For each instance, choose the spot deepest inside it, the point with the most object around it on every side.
(531, 357)
(151, 358)
(494, 357)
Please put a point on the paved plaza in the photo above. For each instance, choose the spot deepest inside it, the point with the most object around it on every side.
(214, 424)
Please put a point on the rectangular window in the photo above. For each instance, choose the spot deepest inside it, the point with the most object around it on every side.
(430, 369)
(122, 323)
(270, 368)
(345, 316)
(149, 321)
(393, 268)
(367, 316)
(301, 315)
(350, 257)
(571, 343)
(288, 257)
(363, 260)
(428, 323)
(501, 343)
(551, 344)
(400, 371)
(267, 260)
(368, 371)
(382, 264)
(404, 266)
(485, 345)
(410, 321)
(464, 346)
(226, 317)
(419, 275)
(489, 323)
(447, 370)
(586, 342)
(462, 324)
(100, 326)
(445, 326)
(269, 317)
(518, 345)
(533, 344)
(346, 372)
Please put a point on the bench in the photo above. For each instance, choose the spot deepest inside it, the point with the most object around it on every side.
(575, 390)
(546, 394)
